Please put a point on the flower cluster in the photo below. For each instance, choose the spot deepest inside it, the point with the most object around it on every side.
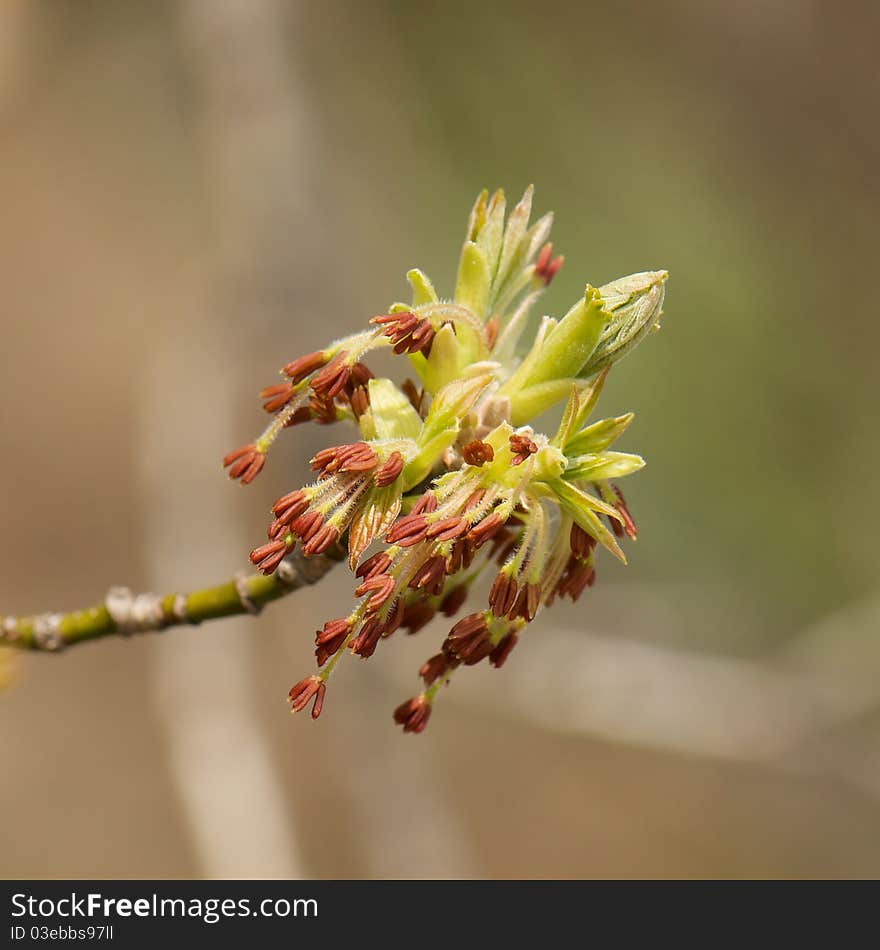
(448, 480)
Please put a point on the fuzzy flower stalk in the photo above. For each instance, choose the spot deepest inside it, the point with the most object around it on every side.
(446, 479)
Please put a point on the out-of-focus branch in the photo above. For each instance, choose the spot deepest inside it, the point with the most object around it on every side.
(124, 613)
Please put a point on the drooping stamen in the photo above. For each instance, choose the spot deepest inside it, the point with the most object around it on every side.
(245, 463)
(304, 690)
(368, 637)
(502, 596)
(413, 394)
(527, 602)
(452, 602)
(469, 640)
(413, 714)
(267, 557)
(389, 471)
(408, 530)
(356, 457)
(430, 576)
(485, 530)
(502, 650)
(322, 540)
(303, 366)
(580, 542)
(381, 586)
(425, 505)
(448, 529)
(416, 615)
(277, 396)
(435, 667)
(330, 639)
(377, 564)
(333, 378)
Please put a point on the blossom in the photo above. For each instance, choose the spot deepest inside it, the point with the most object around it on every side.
(447, 486)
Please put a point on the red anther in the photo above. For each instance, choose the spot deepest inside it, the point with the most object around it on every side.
(522, 447)
(381, 586)
(245, 463)
(304, 690)
(368, 637)
(477, 453)
(413, 394)
(461, 555)
(267, 557)
(307, 524)
(377, 564)
(388, 472)
(322, 540)
(417, 615)
(447, 529)
(580, 542)
(333, 377)
(485, 530)
(469, 640)
(290, 506)
(413, 715)
(356, 457)
(435, 667)
(501, 651)
(502, 596)
(391, 319)
(277, 529)
(430, 576)
(493, 325)
(425, 505)
(303, 414)
(545, 268)
(452, 602)
(360, 375)
(303, 366)
(629, 526)
(330, 639)
(474, 499)
(276, 397)
(579, 574)
(394, 618)
(406, 331)
(322, 409)
(359, 401)
(527, 602)
(408, 531)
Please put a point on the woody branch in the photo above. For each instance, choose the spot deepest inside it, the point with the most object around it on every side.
(124, 613)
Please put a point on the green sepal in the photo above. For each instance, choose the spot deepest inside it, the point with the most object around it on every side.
(443, 365)
(598, 436)
(527, 403)
(422, 288)
(582, 508)
(391, 415)
(601, 465)
(490, 236)
(472, 286)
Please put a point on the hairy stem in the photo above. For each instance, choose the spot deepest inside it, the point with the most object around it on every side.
(123, 613)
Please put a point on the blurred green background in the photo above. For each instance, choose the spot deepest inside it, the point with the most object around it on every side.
(195, 192)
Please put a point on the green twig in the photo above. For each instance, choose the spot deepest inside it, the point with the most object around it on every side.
(123, 613)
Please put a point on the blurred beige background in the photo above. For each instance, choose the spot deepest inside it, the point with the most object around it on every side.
(193, 193)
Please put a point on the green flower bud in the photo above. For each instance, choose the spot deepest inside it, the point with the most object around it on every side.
(635, 304)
